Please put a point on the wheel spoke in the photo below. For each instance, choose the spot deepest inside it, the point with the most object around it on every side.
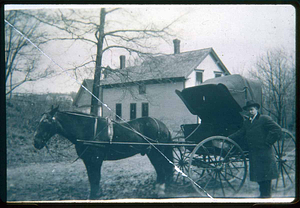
(236, 168)
(178, 174)
(215, 179)
(221, 184)
(234, 176)
(277, 180)
(186, 169)
(177, 154)
(227, 167)
(292, 151)
(229, 152)
(208, 155)
(291, 168)
(282, 145)
(221, 150)
(228, 182)
(287, 174)
(278, 148)
(188, 153)
(182, 154)
(207, 182)
(285, 155)
(282, 176)
(289, 142)
(276, 151)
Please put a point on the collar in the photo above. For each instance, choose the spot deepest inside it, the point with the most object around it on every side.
(251, 119)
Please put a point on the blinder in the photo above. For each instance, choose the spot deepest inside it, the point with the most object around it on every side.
(48, 124)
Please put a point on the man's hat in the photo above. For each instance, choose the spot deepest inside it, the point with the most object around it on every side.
(251, 103)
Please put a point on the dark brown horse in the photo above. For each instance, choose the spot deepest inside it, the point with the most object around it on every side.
(78, 126)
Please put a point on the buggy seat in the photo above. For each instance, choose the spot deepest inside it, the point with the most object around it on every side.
(218, 102)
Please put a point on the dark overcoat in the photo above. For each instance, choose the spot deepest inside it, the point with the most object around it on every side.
(260, 135)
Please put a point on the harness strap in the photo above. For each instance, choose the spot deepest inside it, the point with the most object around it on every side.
(158, 127)
(110, 129)
(95, 127)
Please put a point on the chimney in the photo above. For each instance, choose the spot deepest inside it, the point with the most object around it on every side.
(122, 62)
(176, 46)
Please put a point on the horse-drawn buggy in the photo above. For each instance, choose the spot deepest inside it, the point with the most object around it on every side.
(202, 156)
(218, 164)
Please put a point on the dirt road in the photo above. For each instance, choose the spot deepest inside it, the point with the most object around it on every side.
(128, 178)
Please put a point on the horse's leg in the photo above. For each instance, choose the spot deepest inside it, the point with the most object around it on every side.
(168, 168)
(160, 164)
(93, 167)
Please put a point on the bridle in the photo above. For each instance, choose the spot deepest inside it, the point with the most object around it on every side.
(51, 120)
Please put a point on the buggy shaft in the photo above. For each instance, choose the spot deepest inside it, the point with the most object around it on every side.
(86, 142)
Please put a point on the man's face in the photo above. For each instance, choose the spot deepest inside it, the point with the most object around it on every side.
(252, 111)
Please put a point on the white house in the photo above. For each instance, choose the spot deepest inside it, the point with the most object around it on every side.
(149, 89)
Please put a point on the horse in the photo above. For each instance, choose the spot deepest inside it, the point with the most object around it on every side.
(77, 127)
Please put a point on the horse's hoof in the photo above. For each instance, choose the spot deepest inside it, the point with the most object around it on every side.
(160, 190)
(161, 194)
(94, 197)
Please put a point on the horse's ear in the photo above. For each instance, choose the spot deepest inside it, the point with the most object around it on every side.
(53, 110)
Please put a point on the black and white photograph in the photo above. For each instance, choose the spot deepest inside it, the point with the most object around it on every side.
(150, 103)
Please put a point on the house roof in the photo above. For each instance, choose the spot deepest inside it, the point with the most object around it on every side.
(163, 67)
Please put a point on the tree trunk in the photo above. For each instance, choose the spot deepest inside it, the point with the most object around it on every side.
(96, 85)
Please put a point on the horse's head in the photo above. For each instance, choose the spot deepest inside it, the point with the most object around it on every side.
(46, 129)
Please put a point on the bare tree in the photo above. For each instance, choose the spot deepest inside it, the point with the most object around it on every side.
(276, 70)
(97, 30)
(21, 58)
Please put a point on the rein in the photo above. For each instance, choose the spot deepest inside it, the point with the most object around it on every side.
(108, 127)
(79, 156)
(50, 152)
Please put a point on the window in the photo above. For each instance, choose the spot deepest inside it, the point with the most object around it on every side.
(118, 111)
(145, 109)
(218, 74)
(199, 77)
(142, 89)
(132, 111)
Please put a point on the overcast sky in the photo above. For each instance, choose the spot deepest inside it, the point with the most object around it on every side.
(237, 33)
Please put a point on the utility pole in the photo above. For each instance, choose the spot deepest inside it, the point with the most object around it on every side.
(96, 85)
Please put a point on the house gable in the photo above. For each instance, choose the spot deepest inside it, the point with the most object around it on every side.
(210, 66)
(83, 98)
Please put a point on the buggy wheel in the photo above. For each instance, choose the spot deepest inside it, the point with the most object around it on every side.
(285, 153)
(181, 157)
(217, 167)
